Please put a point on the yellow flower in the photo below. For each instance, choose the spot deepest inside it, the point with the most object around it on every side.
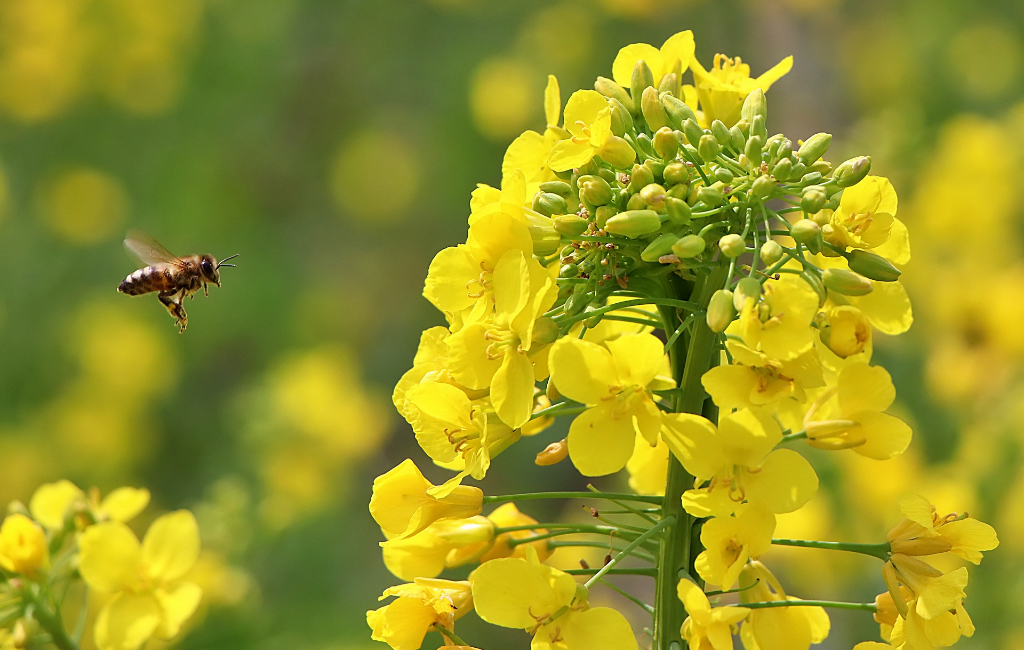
(847, 335)
(149, 596)
(23, 546)
(754, 379)
(419, 605)
(916, 632)
(722, 89)
(730, 541)
(525, 594)
(496, 353)
(53, 502)
(737, 458)
(404, 503)
(887, 307)
(865, 216)
(615, 381)
(675, 55)
(589, 120)
(849, 416)
(780, 326)
(648, 467)
(934, 592)
(707, 628)
(924, 532)
(429, 365)
(777, 628)
(529, 152)
(514, 199)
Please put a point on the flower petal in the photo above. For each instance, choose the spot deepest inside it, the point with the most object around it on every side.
(124, 503)
(127, 622)
(599, 442)
(785, 482)
(582, 371)
(598, 628)
(171, 546)
(109, 555)
(176, 606)
(512, 389)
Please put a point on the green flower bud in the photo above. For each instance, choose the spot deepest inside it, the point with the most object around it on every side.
(654, 113)
(654, 196)
(548, 203)
(657, 168)
(823, 167)
(720, 310)
(636, 202)
(712, 195)
(593, 321)
(689, 246)
(771, 252)
(642, 78)
(754, 105)
(736, 138)
(575, 304)
(692, 131)
(612, 90)
(754, 150)
(603, 213)
(805, 231)
(633, 223)
(812, 279)
(813, 199)
(852, 171)
(814, 147)
(846, 282)
(746, 288)
(640, 177)
(676, 173)
(595, 190)
(646, 145)
(872, 266)
(708, 148)
(570, 225)
(608, 175)
(618, 153)
(678, 211)
(660, 246)
(677, 110)
(732, 245)
(783, 169)
(545, 331)
(723, 175)
(763, 187)
(758, 128)
(669, 82)
(797, 171)
(721, 132)
(569, 271)
(810, 178)
(622, 121)
(665, 143)
(679, 191)
(560, 188)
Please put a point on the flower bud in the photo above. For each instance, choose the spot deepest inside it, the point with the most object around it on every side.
(633, 223)
(711, 195)
(732, 245)
(746, 288)
(805, 231)
(569, 270)
(814, 147)
(636, 202)
(721, 132)
(642, 78)
(852, 171)
(654, 196)
(723, 175)
(575, 303)
(708, 148)
(813, 199)
(595, 190)
(846, 282)
(692, 131)
(603, 213)
(617, 152)
(678, 211)
(548, 203)
(654, 113)
(553, 454)
(771, 252)
(763, 187)
(783, 169)
(872, 266)
(560, 188)
(754, 150)
(465, 531)
(665, 143)
(676, 173)
(612, 90)
(669, 83)
(754, 105)
(660, 246)
(677, 111)
(720, 310)
(622, 121)
(640, 177)
(736, 138)
(570, 225)
(812, 279)
(823, 167)
(810, 178)
(545, 331)
(689, 246)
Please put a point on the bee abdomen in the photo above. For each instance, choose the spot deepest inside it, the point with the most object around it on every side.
(146, 280)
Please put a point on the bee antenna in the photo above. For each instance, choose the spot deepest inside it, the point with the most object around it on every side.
(226, 259)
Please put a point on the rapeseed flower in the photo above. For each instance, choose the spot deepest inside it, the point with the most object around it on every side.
(418, 607)
(707, 627)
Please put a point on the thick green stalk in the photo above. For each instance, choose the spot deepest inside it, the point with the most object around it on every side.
(691, 356)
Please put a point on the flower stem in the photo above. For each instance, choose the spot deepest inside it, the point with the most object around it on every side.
(624, 553)
(639, 603)
(865, 607)
(48, 621)
(881, 551)
(619, 572)
(637, 553)
(529, 496)
(451, 636)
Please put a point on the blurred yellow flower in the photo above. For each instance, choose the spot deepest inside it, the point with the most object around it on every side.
(53, 502)
(84, 205)
(376, 175)
(501, 97)
(23, 546)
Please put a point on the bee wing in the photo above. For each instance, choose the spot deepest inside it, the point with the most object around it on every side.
(148, 250)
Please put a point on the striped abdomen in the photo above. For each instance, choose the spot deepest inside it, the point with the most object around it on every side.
(160, 277)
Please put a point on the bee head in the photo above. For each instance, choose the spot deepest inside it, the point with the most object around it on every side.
(209, 268)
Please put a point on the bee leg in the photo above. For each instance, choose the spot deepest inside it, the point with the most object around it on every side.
(206, 289)
(174, 307)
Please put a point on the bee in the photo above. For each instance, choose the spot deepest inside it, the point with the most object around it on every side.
(175, 278)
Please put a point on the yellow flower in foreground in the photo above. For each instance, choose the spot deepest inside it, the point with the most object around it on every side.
(404, 503)
(707, 628)
(529, 152)
(737, 458)
(925, 532)
(149, 596)
(730, 541)
(722, 89)
(675, 54)
(589, 120)
(865, 216)
(777, 628)
(525, 594)
(419, 605)
(23, 546)
(53, 502)
(615, 380)
(754, 379)
(780, 326)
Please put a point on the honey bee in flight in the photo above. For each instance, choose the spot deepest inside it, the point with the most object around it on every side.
(175, 278)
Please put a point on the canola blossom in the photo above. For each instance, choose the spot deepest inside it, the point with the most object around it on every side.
(698, 298)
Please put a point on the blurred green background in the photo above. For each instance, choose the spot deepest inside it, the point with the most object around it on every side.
(334, 145)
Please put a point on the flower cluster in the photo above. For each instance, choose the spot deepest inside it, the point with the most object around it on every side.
(64, 534)
(701, 297)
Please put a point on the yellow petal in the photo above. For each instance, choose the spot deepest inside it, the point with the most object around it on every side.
(176, 606)
(638, 358)
(514, 592)
(552, 101)
(50, 503)
(511, 284)
(865, 388)
(447, 277)
(512, 389)
(692, 597)
(582, 110)
(887, 435)
(127, 622)
(917, 508)
(468, 359)
(785, 482)
(124, 503)
(582, 371)
(776, 72)
(598, 628)
(599, 442)
(897, 248)
(627, 58)
(171, 546)
(405, 622)
(567, 155)
(679, 47)
(528, 153)
(730, 386)
(942, 594)
(969, 537)
(648, 467)
(746, 436)
(494, 234)
(887, 307)
(420, 556)
(109, 556)
(709, 501)
(693, 440)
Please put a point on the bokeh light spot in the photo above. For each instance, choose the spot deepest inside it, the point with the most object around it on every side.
(503, 97)
(84, 205)
(375, 176)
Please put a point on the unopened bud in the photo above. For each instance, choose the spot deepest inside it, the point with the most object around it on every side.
(570, 270)
(575, 304)
(763, 187)
(813, 281)
(823, 167)
(545, 331)
(660, 246)
(872, 266)
(549, 203)
(720, 310)
(642, 78)
(560, 188)
(746, 288)
(640, 177)
(612, 90)
(708, 148)
(736, 138)
(594, 190)
(669, 82)
(677, 111)
(689, 246)
(602, 214)
(654, 113)
(852, 171)
(636, 202)
(622, 121)
(805, 231)
(692, 131)
(753, 150)
(633, 223)
(771, 252)
(813, 199)
(617, 152)
(553, 454)
(846, 282)
(665, 143)
(654, 196)
(722, 175)
(676, 173)
(732, 245)
(814, 148)
(721, 132)
(758, 128)
(783, 169)
(712, 195)
(569, 225)
(678, 211)
(754, 105)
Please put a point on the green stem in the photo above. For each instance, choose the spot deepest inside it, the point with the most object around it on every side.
(624, 553)
(634, 319)
(881, 551)
(865, 607)
(637, 553)
(625, 594)
(562, 408)
(615, 572)
(531, 496)
(449, 634)
(48, 621)
(790, 437)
